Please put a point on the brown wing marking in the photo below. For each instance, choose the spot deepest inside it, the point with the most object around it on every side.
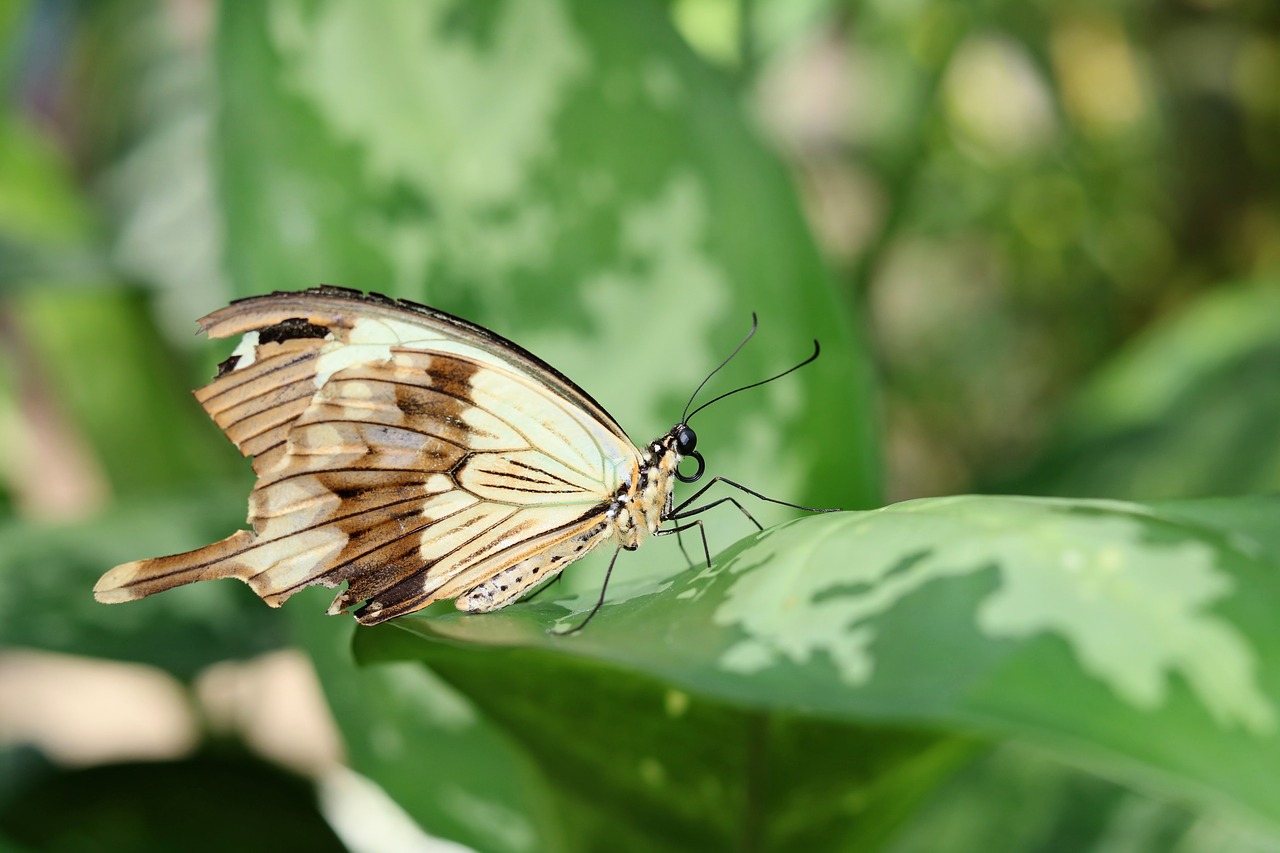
(412, 593)
(255, 405)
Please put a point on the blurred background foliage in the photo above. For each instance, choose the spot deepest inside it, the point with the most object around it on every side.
(1049, 230)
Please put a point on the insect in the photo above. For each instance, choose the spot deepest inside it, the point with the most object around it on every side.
(417, 457)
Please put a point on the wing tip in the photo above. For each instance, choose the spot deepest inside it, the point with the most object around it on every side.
(141, 578)
(115, 586)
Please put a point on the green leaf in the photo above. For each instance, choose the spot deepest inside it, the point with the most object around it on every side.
(51, 569)
(423, 742)
(204, 803)
(636, 764)
(39, 206)
(1017, 799)
(1114, 636)
(98, 354)
(1187, 410)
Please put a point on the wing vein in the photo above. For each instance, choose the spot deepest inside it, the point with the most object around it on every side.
(477, 405)
(255, 375)
(416, 530)
(400, 427)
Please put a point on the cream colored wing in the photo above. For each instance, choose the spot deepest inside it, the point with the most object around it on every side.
(410, 455)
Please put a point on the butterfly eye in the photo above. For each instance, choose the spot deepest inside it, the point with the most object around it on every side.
(686, 441)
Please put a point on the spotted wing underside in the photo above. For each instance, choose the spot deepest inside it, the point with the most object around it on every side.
(399, 450)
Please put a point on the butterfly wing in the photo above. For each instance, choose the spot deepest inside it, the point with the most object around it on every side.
(399, 449)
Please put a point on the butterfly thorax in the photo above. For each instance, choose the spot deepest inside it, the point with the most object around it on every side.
(643, 500)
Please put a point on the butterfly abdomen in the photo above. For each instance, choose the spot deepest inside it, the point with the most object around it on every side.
(510, 584)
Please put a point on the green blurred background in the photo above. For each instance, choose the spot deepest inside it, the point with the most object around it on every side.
(1040, 241)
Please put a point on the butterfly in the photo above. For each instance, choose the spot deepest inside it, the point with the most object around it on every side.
(417, 457)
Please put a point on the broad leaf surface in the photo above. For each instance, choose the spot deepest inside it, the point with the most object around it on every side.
(1188, 409)
(51, 570)
(1132, 640)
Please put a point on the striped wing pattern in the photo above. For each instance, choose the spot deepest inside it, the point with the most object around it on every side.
(401, 451)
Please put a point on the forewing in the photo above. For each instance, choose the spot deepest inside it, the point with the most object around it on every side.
(408, 463)
(368, 323)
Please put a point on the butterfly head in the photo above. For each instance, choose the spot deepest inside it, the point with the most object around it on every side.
(679, 442)
(668, 451)
(686, 440)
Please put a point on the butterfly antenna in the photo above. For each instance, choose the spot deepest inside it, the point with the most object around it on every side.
(754, 323)
(816, 350)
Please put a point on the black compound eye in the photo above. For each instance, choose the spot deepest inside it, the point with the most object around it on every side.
(686, 441)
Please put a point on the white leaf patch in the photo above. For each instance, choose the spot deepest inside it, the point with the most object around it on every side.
(1133, 611)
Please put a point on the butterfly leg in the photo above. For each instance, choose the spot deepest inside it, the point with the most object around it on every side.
(609, 572)
(599, 602)
(696, 510)
(706, 551)
(683, 550)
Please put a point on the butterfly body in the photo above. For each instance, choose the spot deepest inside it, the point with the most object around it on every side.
(640, 506)
(411, 455)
